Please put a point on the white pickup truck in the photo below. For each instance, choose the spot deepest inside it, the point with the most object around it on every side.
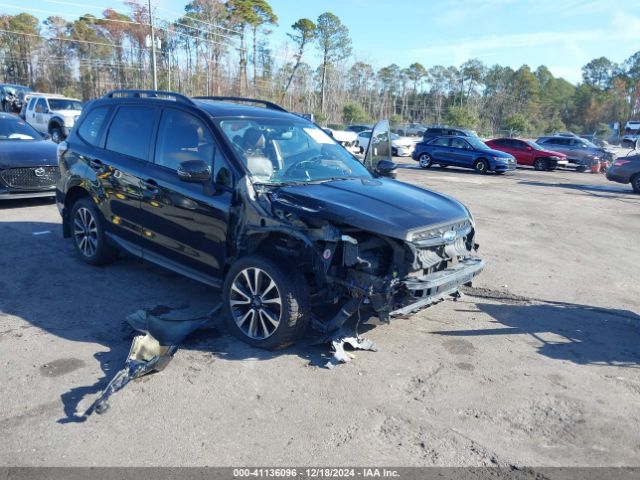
(52, 114)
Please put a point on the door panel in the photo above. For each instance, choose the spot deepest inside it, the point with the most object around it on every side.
(120, 167)
(185, 223)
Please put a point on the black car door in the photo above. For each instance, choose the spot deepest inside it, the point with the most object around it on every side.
(185, 224)
(118, 169)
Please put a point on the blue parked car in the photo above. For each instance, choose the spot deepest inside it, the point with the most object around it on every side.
(466, 152)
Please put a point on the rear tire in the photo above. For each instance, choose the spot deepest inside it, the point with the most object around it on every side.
(266, 303)
(481, 166)
(88, 234)
(635, 183)
(540, 164)
(424, 160)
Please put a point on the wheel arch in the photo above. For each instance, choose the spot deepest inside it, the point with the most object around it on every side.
(54, 122)
(72, 196)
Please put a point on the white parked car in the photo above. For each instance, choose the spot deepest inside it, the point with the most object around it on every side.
(348, 140)
(400, 146)
(53, 114)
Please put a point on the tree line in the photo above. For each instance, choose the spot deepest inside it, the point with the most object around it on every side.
(222, 47)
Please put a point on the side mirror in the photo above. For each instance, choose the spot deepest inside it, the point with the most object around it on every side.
(387, 168)
(529, 149)
(194, 171)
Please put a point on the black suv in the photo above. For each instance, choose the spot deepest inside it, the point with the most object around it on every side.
(433, 132)
(262, 204)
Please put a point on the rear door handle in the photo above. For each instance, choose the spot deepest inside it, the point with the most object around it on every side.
(150, 186)
(95, 164)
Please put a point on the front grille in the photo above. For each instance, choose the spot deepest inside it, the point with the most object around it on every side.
(31, 178)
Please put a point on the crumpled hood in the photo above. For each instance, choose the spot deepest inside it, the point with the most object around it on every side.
(382, 206)
(27, 153)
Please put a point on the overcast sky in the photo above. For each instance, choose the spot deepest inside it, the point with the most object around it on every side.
(561, 34)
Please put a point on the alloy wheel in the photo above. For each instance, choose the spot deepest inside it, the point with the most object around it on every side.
(424, 161)
(255, 303)
(85, 231)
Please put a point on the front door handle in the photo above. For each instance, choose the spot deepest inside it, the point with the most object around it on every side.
(150, 186)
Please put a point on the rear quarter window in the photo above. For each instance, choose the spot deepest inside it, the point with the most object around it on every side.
(93, 125)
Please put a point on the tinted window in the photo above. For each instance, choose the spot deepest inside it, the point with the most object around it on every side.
(458, 143)
(91, 129)
(31, 103)
(365, 134)
(433, 132)
(517, 144)
(182, 137)
(131, 130)
(441, 142)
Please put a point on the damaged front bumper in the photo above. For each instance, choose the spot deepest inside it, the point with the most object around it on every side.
(421, 292)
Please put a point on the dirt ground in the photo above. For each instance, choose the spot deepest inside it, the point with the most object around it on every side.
(537, 365)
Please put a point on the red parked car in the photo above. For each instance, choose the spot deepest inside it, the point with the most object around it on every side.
(529, 153)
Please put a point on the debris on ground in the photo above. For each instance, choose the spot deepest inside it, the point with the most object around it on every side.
(146, 356)
(150, 352)
(342, 338)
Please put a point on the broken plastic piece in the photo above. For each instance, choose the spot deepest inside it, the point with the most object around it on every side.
(166, 331)
(340, 355)
(146, 356)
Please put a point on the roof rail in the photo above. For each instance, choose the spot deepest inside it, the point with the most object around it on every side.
(160, 94)
(267, 104)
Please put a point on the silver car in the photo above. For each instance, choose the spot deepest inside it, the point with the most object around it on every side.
(579, 151)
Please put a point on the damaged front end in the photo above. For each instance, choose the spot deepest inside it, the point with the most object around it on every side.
(351, 269)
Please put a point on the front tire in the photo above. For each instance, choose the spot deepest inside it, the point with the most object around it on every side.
(635, 183)
(88, 233)
(265, 303)
(540, 164)
(424, 160)
(481, 167)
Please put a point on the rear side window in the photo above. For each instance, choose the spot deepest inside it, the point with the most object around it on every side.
(131, 130)
(91, 129)
(441, 142)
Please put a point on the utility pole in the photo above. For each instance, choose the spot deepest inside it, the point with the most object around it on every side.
(153, 49)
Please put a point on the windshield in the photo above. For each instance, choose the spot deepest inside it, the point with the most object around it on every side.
(476, 143)
(64, 104)
(284, 151)
(14, 129)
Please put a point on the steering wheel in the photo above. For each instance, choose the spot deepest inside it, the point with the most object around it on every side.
(296, 167)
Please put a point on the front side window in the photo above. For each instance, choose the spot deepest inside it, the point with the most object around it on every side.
(41, 106)
(279, 151)
(458, 143)
(182, 137)
(91, 129)
(131, 130)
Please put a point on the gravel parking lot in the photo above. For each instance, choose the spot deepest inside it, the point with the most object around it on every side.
(536, 365)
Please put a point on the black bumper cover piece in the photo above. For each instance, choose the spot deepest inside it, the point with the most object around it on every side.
(433, 288)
